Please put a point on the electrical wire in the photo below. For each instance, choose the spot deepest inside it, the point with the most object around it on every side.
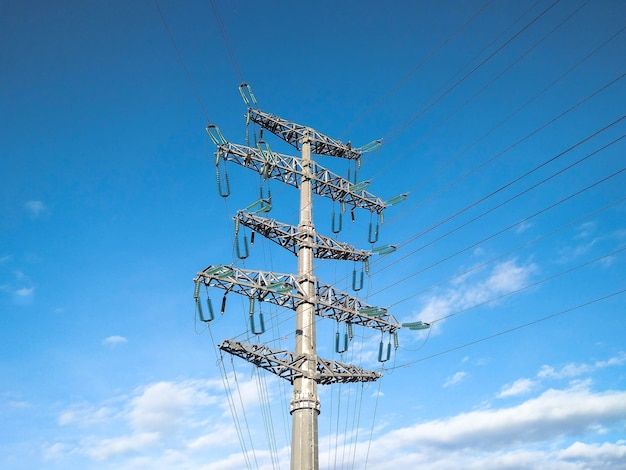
(227, 43)
(417, 67)
(511, 330)
(190, 79)
(500, 232)
(501, 188)
(408, 124)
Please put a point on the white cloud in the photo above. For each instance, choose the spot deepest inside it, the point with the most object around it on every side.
(519, 387)
(25, 291)
(605, 452)
(136, 442)
(504, 278)
(164, 405)
(113, 340)
(455, 379)
(35, 208)
(576, 370)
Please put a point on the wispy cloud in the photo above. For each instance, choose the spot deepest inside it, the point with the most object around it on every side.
(476, 289)
(24, 291)
(575, 370)
(455, 379)
(519, 387)
(114, 340)
(35, 208)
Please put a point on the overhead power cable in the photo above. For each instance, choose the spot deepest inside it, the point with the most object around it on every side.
(511, 330)
(499, 232)
(182, 63)
(418, 66)
(480, 91)
(510, 183)
(505, 120)
(531, 285)
(227, 44)
(462, 79)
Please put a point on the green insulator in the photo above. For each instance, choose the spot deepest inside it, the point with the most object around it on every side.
(339, 348)
(223, 186)
(384, 250)
(380, 352)
(359, 186)
(418, 325)
(209, 305)
(215, 134)
(373, 233)
(247, 95)
(257, 329)
(339, 224)
(397, 199)
(196, 290)
(373, 311)
(357, 286)
(199, 309)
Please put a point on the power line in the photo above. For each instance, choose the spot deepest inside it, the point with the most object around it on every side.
(419, 65)
(182, 63)
(500, 232)
(462, 79)
(227, 44)
(510, 183)
(511, 330)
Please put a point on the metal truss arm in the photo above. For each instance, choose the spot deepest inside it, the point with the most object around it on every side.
(293, 133)
(285, 291)
(289, 170)
(288, 365)
(288, 237)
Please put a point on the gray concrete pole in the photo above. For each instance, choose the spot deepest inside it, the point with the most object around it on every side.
(305, 404)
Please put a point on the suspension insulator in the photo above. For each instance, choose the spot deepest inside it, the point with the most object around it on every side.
(196, 290)
(350, 333)
(241, 254)
(373, 233)
(337, 222)
(223, 185)
(396, 341)
(339, 348)
(380, 352)
(223, 309)
(357, 286)
(257, 329)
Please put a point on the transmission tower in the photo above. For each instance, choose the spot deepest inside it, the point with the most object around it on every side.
(303, 292)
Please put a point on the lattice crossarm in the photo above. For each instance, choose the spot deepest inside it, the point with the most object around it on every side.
(293, 133)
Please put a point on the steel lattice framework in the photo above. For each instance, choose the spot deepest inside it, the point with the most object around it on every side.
(285, 290)
(289, 170)
(293, 133)
(289, 237)
(288, 365)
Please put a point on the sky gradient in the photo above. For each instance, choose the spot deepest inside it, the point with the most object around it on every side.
(505, 123)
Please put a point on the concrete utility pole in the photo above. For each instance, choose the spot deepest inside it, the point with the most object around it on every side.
(303, 293)
(305, 404)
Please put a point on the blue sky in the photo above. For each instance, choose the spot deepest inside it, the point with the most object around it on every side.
(504, 121)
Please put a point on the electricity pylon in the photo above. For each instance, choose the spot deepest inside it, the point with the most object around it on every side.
(303, 292)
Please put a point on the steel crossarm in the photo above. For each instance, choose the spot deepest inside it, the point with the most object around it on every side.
(293, 133)
(284, 290)
(290, 238)
(288, 365)
(288, 169)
